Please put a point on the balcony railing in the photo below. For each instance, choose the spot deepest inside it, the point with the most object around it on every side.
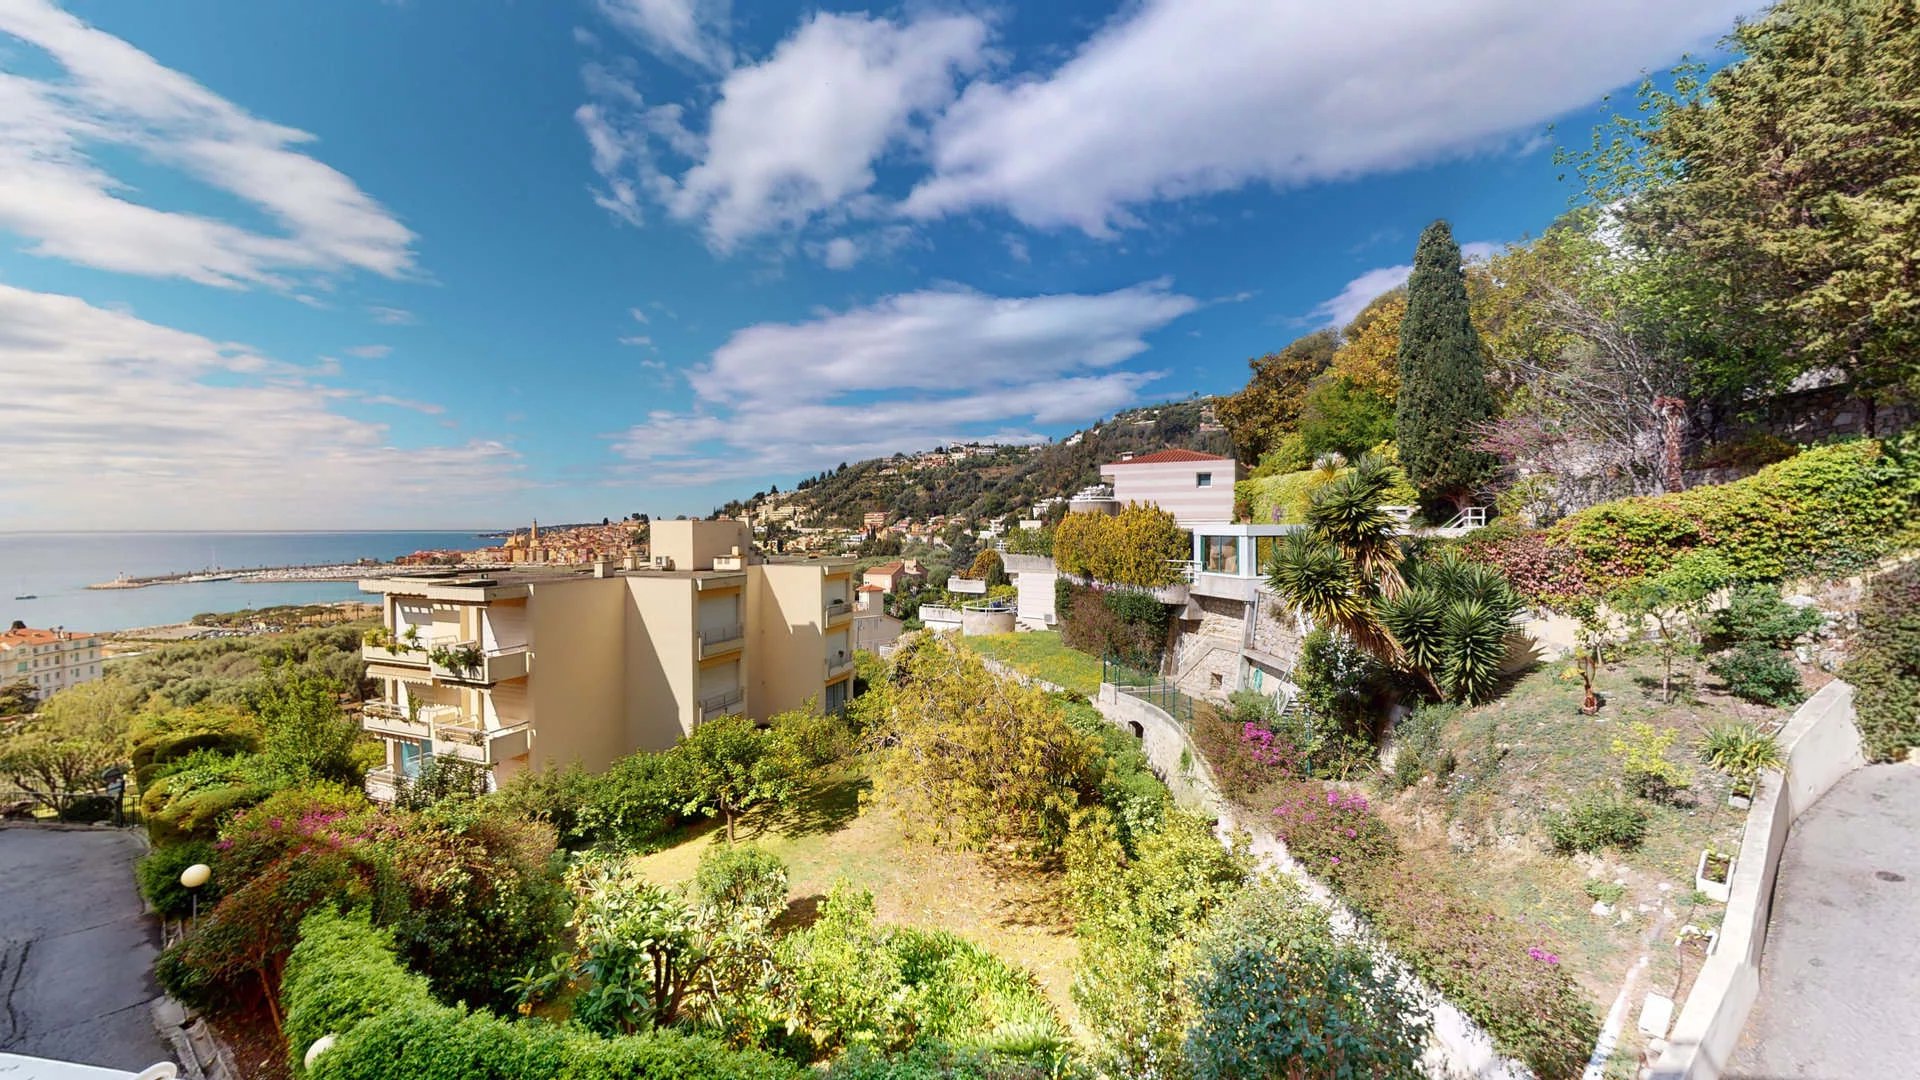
(389, 718)
(838, 664)
(838, 607)
(469, 740)
(494, 665)
(721, 639)
(722, 703)
(382, 785)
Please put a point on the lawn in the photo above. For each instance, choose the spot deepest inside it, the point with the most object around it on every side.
(826, 836)
(1042, 655)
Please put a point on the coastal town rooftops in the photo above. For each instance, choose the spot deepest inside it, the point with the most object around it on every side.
(13, 639)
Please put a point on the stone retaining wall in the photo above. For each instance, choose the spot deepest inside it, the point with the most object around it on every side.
(1820, 745)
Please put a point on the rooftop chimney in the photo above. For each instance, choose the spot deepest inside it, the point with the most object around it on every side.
(602, 567)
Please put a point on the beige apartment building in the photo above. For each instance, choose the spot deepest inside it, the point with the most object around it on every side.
(539, 667)
(1195, 488)
(48, 660)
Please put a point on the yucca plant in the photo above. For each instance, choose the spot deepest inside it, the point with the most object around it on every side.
(1347, 514)
(1476, 644)
(1739, 750)
(1315, 577)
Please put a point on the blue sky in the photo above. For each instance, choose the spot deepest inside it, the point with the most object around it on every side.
(358, 264)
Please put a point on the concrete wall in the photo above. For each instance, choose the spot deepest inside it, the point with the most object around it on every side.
(1820, 745)
(1173, 486)
(661, 692)
(579, 660)
(693, 545)
(787, 638)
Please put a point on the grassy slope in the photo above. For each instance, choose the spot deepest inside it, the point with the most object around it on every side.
(1530, 752)
(1043, 655)
(827, 836)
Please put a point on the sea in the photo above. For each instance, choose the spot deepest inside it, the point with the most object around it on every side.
(56, 568)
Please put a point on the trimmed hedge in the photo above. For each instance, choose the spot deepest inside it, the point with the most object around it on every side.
(1885, 666)
(343, 979)
(1828, 509)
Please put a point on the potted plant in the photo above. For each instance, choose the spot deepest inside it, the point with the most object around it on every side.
(1714, 875)
(462, 660)
(378, 637)
(408, 640)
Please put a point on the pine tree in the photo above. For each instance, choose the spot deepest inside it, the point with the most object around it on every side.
(1444, 398)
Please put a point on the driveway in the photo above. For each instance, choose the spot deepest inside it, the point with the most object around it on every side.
(1839, 986)
(76, 954)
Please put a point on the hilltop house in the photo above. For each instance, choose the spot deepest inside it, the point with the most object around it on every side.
(1194, 487)
(891, 576)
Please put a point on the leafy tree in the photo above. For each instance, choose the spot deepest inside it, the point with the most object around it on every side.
(1342, 417)
(1777, 197)
(18, 698)
(1277, 996)
(1269, 405)
(1135, 917)
(62, 755)
(969, 758)
(1138, 546)
(1444, 398)
(1369, 352)
(1672, 604)
(988, 567)
(1885, 664)
(733, 767)
(308, 736)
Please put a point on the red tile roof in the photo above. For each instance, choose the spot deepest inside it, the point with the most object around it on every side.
(30, 636)
(870, 588)
(1164, 457)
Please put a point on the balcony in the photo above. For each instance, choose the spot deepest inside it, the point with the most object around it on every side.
(722, 703)
(399, 654)
(490, 666)
(720, 640)
(389, 719)
(466, 738)
(838, 665)
(382, 785)
(839, 610)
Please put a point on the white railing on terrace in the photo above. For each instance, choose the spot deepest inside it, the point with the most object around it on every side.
(1185, 569)
(1473, 517)
(934, 612)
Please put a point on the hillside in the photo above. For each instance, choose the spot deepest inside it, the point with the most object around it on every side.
(989, 482)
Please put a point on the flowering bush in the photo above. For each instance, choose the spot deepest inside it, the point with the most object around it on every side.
(1528, 1002)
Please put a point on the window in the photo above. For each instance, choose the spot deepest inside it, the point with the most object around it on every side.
(1222, 554)
(1204, 479)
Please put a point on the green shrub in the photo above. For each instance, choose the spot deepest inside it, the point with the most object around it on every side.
(741, 881)
(1885, 665)
(554, 797)
(343, 979)
(1827, 509)
(1650, 774)
(1756, 613)
(1758, 672)
(1607, 892)
(637, 802)
(1123, 624)
(1137, 546)
(1595, 822)
(159, 876)
(1419, 749)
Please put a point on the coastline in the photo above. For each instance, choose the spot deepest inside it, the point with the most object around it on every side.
(161, 633)
(280, 574)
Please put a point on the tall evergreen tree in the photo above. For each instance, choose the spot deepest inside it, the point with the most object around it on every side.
(1444, 397)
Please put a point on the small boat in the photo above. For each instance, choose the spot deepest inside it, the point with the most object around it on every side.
(26, 596)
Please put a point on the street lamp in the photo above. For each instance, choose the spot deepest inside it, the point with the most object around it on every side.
(191, 879)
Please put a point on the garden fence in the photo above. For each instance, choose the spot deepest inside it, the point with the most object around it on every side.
(1150, 687)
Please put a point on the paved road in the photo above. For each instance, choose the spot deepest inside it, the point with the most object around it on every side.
(1839, 984)
(76, 954)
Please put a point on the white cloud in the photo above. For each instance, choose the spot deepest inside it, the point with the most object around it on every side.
(840, 253)
(1183, 97)
(790, 138)
(911, 370)
(68, 205)
(391, 316)
(693, 30)
(639, 316)
(116, 422)
(371, 352)
(427, 407)
(1338, 310)
(637, 340)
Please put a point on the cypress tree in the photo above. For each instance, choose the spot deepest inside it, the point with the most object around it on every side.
(1444, 398)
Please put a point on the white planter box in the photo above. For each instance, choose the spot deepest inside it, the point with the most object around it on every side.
(1718, 890)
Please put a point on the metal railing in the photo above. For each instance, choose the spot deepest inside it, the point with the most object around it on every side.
(838, 663)
(1149, 686)
(723, 700)
(718, 634)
